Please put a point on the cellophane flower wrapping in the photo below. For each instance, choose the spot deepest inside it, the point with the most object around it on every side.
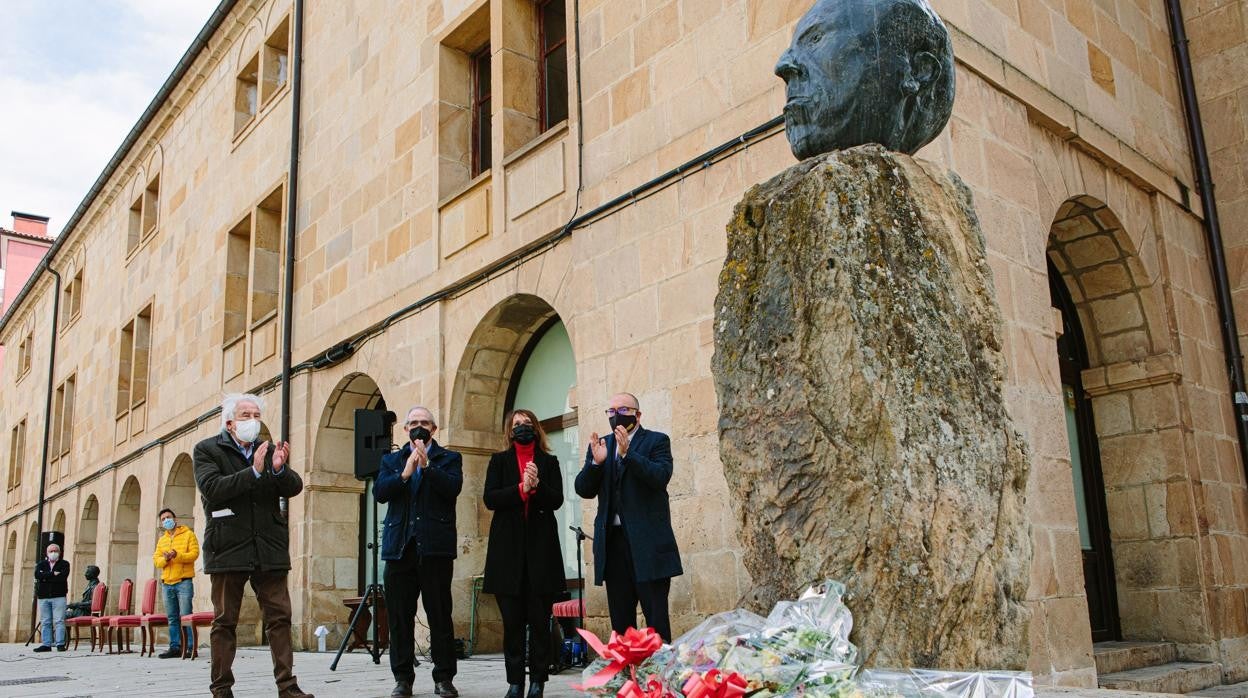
(801, 648)
(932, 683)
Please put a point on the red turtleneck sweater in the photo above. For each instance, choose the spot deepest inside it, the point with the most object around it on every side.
(524, 454)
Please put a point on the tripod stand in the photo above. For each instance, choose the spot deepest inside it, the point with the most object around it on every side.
(371, 596)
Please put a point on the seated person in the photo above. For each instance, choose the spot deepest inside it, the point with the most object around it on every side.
(83, 608)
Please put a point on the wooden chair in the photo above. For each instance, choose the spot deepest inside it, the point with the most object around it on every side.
(149, 621)
(191, 623)
(99, 598)
(99, 624)
(129, 622)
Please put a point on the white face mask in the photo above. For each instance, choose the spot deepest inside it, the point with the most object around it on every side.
(53, 557)
(247, 431)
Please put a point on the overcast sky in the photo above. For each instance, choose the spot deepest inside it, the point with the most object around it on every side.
(74, 77)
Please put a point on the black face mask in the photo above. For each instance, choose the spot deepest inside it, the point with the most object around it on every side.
(524, 434)
(420, 434)
(620, 420)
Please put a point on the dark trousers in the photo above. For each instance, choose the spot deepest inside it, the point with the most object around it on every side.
(405, 579)
(624, 591)
(274, 598)
(526, 611)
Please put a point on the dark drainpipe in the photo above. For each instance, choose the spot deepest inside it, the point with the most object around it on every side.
(292, 197)
(47, 420)
(1213, 229)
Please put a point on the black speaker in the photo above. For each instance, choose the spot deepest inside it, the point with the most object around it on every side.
(372, 440)
(48, 538)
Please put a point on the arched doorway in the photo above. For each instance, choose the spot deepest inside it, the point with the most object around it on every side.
(517, 347)
(343, 514)
(58, 521)
(6, 587)
(85, 540)
(1120, 382)
(180, 491)
(124, 553)
(544, 380)
(1089, 482)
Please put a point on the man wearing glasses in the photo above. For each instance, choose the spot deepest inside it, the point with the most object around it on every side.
(635, 551)
(420, 483)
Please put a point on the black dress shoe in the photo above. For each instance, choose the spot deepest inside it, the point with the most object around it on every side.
(515, 690)
(171, 653)
(537, 689)
(62, 648)
(445, 689)
(402, 689)
(43, 648)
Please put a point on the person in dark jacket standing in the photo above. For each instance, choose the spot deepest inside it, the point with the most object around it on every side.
(523, 565)
(247, 538)
(52, 588)
(420, 483)
(635, 551)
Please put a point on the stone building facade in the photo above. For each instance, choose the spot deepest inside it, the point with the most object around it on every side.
(444, 256)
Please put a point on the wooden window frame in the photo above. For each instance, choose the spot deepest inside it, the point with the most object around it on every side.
(479, 101)
(543, 54)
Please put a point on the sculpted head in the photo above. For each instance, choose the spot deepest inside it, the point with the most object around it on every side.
(866, 71)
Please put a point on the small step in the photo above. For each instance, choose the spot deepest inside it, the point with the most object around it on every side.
(1174, 677)
(1234, 690)
(1113, 657)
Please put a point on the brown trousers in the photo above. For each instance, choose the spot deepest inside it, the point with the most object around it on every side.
(274, 598)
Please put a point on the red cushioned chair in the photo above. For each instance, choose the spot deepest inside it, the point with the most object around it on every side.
(99, 624)
(128, 623)
(99, 598)
(149, 620)
(568, 609)
(191, 623)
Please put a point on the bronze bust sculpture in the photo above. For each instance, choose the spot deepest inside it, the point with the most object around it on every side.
(866, 71)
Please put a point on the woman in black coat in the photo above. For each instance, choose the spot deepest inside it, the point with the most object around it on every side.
(523, 565)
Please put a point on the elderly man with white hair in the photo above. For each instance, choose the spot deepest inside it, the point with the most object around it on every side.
(51, 588)
(247, 539)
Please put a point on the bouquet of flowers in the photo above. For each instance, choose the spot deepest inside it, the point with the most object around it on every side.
(800, 650)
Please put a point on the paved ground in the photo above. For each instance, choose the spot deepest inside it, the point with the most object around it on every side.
(81, 674)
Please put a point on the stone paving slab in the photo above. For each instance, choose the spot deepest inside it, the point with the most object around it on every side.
(1234, 690)
(81, 674)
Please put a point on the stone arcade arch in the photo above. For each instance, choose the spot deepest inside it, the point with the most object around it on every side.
(1120, 390)
(87, 536)
(58, 525)
(180, 491)
(26, 580)
(124, 559)
(6, 586)
(341, 514)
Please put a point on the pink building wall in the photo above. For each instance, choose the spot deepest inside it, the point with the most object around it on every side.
(20, 259)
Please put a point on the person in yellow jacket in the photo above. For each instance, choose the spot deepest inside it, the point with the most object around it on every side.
(176, 552)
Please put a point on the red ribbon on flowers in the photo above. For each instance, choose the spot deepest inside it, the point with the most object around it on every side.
(715, 684)
(627, 650)
(653, 689)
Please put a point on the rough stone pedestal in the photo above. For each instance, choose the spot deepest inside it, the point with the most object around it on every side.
(862, 426)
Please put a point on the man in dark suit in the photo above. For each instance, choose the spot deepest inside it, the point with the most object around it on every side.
(420, 483)
(247, 539)
(635, 551)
